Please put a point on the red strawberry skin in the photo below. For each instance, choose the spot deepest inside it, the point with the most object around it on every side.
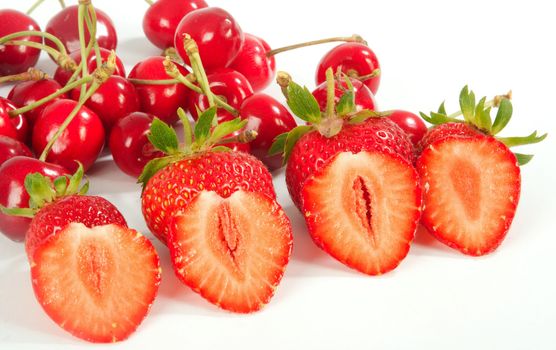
(171, 189)
(91, 211)
(313, 150)
(442, 131)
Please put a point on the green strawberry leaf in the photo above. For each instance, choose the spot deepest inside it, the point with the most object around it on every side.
(522, 140)
(303, 104)
(221, 148)
(442, 109)
(503, 116)
(75, 180)
(153, 166)
(23, 212)
(293, 136)
(467, 104)
(61, 185)
(365, 114)
(163, 137)
(204, 124)
(482, 116)
(226, 128)
(346, 105)
(40, 190)
(278, 145)
(523, 159)
(187, 131)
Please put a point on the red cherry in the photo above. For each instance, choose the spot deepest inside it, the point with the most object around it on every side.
(162, 19)
(131, 149)
(413, 126)
(17, 59)
(217, 34)
(269, 118)
(160, 100)
(355, 59)
(16, 127)
(64, 25)
(364, 98)
(14, 195)
(62, 76)
(29, 92)
(10, 148)
(113, 100)
(253, 62)
(225, 83)
(82, 140)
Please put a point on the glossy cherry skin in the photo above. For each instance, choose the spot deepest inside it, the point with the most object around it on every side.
(269, 118)
(254, 64)
(10, 148)
(14, 195)
(113, 100)
(229, 85)
(29, 92)
(413, 125)
(64, 25)
(355, 59)
(62, 76)
(162, 18)
(17, 59)
(82, 140)
(217, 34)
(364, 98)
(160, 100)
(15, 127)
(131, 149)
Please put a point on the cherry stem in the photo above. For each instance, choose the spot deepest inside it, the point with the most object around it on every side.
(375, 73)
(45, 35)
(244, 137)
(495, 102)
(192, 51)
(68, 87)
(349, 39)
(53, 52)
(81, 28)
(150, 2)
(91, 19)
(62, 3)
(172, 53)
(35, 5)
(330, 92)
(172, 71)
(30, 74)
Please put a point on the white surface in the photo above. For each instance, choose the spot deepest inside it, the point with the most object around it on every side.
(437, 298)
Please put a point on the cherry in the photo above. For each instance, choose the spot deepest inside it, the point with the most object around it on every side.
(217, 34)
(160, 100)
(14, 195)
(15, 127)
(364, 98)
(113, 100)
(162, 19)
(82, 141)
(131, 149)
(17, 59)
(354, 59)
(62, 76)
(269, 118)
(413, 125)
(10, 148)
(252, 61)
(64, 25)
(28, 92)
(232, 87)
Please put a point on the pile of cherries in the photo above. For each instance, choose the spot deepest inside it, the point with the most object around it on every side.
(90, 102)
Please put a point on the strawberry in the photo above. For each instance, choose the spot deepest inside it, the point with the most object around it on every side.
(95, 277)
(350, 173)
(216, 210)
(471, 179)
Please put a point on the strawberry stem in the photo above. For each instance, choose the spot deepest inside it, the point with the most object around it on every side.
(375, 73)
(31, 74)
(330, 93)
(283, 79)
(244, 137)
(350, 39)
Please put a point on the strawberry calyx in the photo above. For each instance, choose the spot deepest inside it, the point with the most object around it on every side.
(206, 135)
(305, 106)
(43, 191)
(478, 116)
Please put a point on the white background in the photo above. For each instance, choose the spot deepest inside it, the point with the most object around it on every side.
(437, 298)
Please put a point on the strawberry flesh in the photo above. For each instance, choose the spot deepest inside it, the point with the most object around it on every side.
(471, 190)
(233, 251)
(96, 283)
(363, 209)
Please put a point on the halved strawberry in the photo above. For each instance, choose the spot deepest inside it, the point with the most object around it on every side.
(97, 283)
(471, 190)
(363, 209)
(233, 251)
